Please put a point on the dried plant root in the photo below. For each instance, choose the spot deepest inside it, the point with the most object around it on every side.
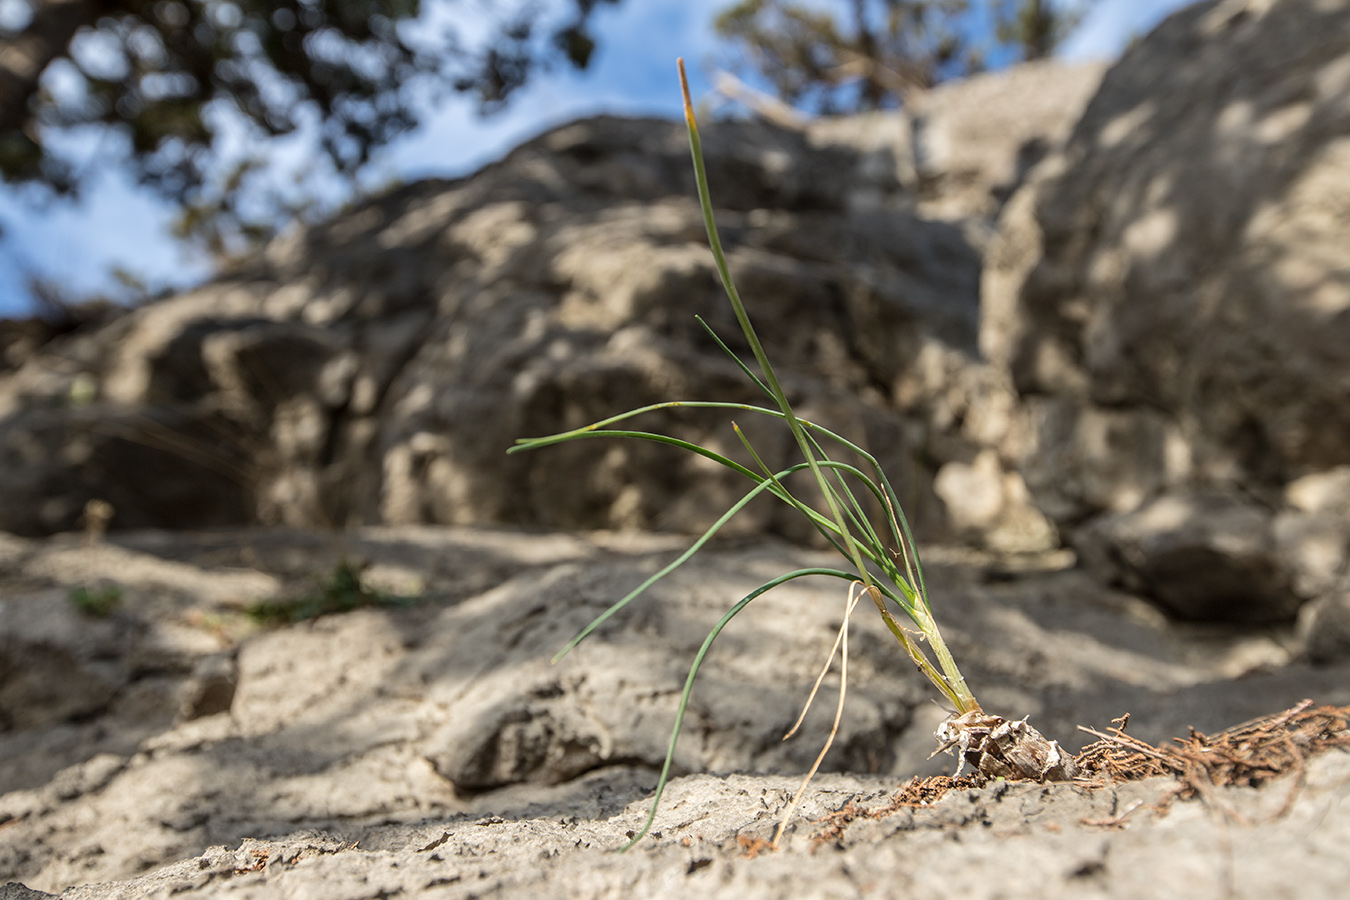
(842, 640)
(1003, 748)
(918, 793)
(1247, 755)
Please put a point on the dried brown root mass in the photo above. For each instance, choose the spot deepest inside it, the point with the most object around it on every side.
(916, 794)
(1246, 755)
(1003, 748)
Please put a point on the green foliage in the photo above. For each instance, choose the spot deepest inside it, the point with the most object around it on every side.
(845, 57)
(98, 602)
(1035, 27)
(168, 75)
(883, 559)
(869, 58)
(341, 590)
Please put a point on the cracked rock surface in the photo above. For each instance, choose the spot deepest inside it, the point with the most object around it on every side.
(355, 742)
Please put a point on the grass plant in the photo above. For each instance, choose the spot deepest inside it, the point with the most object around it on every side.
(97, 602)
(883, 563)
(342, 590)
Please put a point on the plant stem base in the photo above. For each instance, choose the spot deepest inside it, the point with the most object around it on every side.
(1003, 748)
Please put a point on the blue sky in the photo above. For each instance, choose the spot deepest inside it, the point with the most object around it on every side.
(119, 225)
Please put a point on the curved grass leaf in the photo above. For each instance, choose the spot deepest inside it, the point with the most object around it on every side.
(894, 577)
(693, 674)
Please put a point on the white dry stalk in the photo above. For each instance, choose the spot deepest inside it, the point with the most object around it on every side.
(840, 640)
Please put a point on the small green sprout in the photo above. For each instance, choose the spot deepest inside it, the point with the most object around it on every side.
(885, 569)
(99, 602)
(343, 590)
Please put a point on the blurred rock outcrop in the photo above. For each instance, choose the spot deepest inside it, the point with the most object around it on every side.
(376, 369)
(1170, 294)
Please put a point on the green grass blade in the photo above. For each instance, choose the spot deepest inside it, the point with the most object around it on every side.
(843, 541)
(743, 319)
(533, 443)
(771, 485)
(881, 487)
(827, 526)
(693, 674)
(734, 358)
(659, 439)
(822, 525)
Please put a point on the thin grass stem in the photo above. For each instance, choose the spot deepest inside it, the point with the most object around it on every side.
(849, 605)
(738, 307)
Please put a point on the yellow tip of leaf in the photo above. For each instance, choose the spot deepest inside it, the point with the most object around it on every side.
(684, 88)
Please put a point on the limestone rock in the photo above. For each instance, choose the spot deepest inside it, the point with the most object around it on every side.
(376, 368)
(977, 139)
(961, 149)
(1202, 555)
(1170, 293)
(447, 710)
(1324, 625)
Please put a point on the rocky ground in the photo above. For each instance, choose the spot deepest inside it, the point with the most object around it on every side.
(424, 746)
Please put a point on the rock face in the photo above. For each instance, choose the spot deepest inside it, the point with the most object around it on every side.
(1170, 295)
(173, 724)
(377, 368)
(1009, 841)
(964, 147)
